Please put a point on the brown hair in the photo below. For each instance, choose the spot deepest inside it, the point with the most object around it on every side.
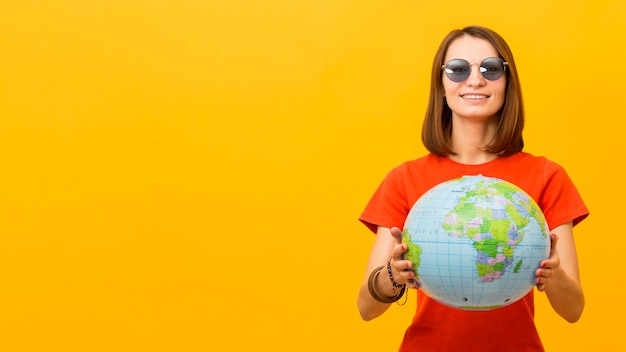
(437, 127)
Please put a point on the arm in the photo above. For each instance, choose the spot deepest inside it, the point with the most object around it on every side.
(559, 277)
(388, 244)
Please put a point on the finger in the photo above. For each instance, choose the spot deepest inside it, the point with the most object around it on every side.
(402, 271)
(414, 283)
(397, 234)
(538, 276)
(543, 273)
(549, 262)
(403, 267)
(553, 240)
(398, 251)
(548, 265)
(540, 282)
(541, 287)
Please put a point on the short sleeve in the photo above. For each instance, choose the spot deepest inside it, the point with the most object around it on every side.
(560, 201)
(388, 206)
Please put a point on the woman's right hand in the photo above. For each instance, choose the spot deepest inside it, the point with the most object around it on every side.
(401, 268)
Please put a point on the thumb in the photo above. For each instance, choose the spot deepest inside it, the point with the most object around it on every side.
(553, 240)
(397, 234)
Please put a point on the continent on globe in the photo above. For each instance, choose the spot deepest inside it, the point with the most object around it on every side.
(475, 242)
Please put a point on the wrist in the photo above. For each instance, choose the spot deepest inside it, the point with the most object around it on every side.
(394, 284)
(392, 290)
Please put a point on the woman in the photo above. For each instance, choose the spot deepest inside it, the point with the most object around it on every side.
(473, 125)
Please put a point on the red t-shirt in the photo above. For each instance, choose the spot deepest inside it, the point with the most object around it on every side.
(436, 327)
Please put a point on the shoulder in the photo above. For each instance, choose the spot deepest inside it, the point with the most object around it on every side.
(525, 158)
(418, 165)
(549, 167)
(534, 164)
(558, 196)
(548, 170)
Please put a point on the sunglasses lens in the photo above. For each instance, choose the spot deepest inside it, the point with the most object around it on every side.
(492, 68)
(457, 70)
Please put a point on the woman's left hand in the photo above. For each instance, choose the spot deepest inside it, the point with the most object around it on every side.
(549, 267)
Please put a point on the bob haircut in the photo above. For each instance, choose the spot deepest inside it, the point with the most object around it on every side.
(437, 127)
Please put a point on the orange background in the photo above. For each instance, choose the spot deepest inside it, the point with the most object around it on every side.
(187, 175)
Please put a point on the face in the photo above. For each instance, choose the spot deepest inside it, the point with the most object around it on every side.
(475, 98)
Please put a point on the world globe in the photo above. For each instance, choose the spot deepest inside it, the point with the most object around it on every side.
(475, 242)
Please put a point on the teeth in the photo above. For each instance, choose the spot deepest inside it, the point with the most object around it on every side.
(474, 96)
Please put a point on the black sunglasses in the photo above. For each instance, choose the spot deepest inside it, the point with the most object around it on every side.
(491, 68)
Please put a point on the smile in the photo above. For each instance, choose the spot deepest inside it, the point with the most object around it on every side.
(474, 96)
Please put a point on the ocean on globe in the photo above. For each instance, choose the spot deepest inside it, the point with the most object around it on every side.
(475, 242)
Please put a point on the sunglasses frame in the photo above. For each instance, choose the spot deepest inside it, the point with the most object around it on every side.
(483, 71)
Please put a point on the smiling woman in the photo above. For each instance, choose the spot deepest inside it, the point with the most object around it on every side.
(473, 127)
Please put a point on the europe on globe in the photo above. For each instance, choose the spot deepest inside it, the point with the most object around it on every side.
(475, 242)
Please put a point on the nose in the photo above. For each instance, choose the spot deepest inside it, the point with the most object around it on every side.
(475, 78)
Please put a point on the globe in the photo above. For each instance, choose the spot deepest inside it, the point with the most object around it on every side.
(475, 242)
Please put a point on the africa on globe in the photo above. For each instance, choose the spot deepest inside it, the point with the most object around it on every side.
(475, 242)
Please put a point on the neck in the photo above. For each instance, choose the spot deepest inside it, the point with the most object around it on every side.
(468, 140)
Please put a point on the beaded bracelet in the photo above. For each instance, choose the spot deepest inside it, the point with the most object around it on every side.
(370, 286)
(394, 284)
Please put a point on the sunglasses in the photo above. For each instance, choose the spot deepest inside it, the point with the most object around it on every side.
(458, 70)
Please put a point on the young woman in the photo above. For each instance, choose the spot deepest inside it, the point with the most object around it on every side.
(473, 125)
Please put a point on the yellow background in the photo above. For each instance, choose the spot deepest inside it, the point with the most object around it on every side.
(187, 175)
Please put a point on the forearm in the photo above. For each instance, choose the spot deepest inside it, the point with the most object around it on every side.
(566, 296)
(385, 277)
(369, 307)
(559, 275)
